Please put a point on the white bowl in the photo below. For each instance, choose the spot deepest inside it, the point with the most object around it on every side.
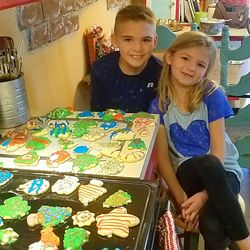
(211, 26)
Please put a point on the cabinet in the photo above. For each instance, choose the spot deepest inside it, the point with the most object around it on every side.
(164, 9)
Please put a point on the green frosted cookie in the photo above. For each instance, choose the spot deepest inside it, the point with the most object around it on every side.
(84, 162)
(117, 199)
(137, 143)
(75, 238)
(14, 208)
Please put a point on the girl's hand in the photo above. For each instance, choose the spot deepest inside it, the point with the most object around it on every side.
(191, 207)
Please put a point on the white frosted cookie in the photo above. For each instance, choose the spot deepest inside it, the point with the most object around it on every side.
(66, 186)
(132, 156)
(35, 186)
(94, 134)
(90, 192)
(7, 236)
(124, 134)
(83, 218)
(109, 167)
(5, 176)
(116, 222)
(39, 245)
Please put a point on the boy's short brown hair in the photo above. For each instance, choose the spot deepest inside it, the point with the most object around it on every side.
(134, 13)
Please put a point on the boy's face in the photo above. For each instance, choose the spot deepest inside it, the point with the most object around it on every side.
(136, 41)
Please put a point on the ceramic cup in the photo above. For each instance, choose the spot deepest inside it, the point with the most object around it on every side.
(199, 16)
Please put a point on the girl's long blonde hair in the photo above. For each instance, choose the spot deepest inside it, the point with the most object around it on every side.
(206, 86)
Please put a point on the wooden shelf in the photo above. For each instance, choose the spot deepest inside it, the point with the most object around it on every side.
(5, 4)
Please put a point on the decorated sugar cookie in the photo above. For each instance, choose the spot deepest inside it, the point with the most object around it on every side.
(48, 216)
(84, 162)
(109, 167)
(82, 127)
(66, 144)
(124, 134)
(75, 238)
(60, 113)
(117, 199)
(90, 192)
(85, 114)
(34, 123)
(94, 134)
(81, 150)
(66, 186)
(142, 125)
(39, 245)
(29, 159)
(38, 143)
(57, 158)
(17, 133)
(132, 156)
(14, 208)
(49, 238)
(112, 114)
(137, 143)
(116, 222)
(107, 126)
(11, 145)
(60, 131)
(39, 132)
(95, 153)
(8, 236)
(35, 186)
(5, 176)
(83, 218)
(53, 123)
(109, 149)
(143, 115)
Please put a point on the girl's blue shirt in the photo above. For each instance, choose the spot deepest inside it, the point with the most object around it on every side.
(188, 133)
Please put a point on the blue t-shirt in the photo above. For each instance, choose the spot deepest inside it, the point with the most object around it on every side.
(189, 135)
(111, 88)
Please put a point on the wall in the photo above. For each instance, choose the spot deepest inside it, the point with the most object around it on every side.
(53, 73)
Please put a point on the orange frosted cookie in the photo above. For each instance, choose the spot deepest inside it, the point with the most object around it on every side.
(57, 158)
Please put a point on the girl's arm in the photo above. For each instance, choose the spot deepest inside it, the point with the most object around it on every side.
(217, 138)
(165, 167)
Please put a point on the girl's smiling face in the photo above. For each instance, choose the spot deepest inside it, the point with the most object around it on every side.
(188, 66)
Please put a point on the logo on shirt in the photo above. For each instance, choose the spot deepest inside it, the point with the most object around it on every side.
(150, 85)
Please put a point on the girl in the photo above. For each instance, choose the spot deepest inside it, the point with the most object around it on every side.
(196, 158)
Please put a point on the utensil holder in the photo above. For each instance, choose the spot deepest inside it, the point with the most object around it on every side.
(14, 107)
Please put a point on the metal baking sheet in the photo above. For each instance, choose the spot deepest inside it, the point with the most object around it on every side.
(144, 206)
(136, 169)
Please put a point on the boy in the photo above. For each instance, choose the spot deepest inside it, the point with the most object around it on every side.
(127, 79)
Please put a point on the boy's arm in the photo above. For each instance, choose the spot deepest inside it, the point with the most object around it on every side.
(95, 97)
(165, 167)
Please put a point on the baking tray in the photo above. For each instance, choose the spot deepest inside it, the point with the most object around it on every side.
(144, 205)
